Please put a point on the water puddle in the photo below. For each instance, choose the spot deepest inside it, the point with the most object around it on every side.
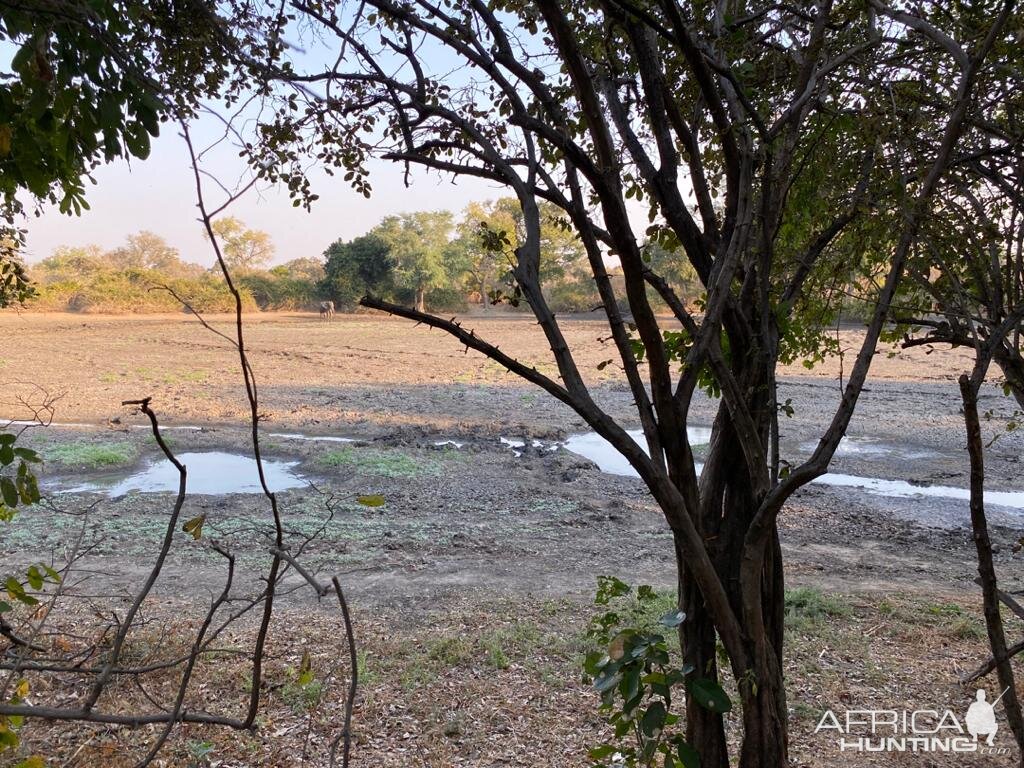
(517, 445)
(108, 425)
(591, 446)
(597, 449)
(209, 473)
(313, 438)
(56, 425)
(873, 448)
(900, 489)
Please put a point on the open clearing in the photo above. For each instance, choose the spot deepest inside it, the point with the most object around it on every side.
(472, 584)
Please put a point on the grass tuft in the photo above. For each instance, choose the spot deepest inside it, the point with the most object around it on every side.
(808, 608)
(383, 463)
(90, 455)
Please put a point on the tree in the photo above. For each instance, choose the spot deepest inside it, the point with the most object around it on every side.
(15, 287)
(306, 268)
(145, 250)
(673, 265)
(490, 233)
(353, 269)
(481, 257)
(790, 127)
(417, 244)
(69, 262)
(243, 248)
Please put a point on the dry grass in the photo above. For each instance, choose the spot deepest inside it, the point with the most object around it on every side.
(499, 684)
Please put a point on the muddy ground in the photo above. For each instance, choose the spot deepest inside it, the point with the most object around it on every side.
(472, 583)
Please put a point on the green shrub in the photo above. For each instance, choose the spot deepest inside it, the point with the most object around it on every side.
(136, 291)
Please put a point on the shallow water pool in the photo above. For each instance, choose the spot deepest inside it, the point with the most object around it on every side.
(209, 473)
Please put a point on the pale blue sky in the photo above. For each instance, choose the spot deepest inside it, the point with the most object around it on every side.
(158, 194)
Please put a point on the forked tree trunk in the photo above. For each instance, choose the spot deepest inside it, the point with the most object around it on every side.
(762, 706)
(727, 510)
(986, 566)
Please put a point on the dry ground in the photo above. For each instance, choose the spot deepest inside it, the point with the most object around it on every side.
(472, 584)
(359, 368)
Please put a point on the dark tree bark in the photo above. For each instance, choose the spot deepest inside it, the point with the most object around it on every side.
(969, 386)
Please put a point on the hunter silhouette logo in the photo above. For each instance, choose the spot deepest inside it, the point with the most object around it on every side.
(920, 730)
(981, 717)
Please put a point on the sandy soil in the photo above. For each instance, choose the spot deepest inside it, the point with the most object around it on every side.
(470, 528)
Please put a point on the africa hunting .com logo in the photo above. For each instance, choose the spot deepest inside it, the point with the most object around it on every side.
(920, 730)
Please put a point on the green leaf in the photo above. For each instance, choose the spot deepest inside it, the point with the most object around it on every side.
(35, 578)
(28, 454)
(688, 755)
(609, 587)
(603, 751)
(374, 500)
(645, 593)
(305, 669)
(709, 695)
(630, 685)
(653, 720)
(607, 680)
(17, 592)
(10, 491)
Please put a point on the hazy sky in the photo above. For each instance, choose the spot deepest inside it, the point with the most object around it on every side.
(159, 195)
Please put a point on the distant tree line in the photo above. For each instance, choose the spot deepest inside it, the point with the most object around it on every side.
(422, 258)
(432, 258)
(147, 274)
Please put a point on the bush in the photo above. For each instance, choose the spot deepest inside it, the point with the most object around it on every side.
(573, 296)
(136, 291)
(437, 299)
(279, 290)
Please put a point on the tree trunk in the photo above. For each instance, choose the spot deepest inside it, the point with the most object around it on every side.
(766, 735)
(986, 566)
(421, 300)
(764, 727)
(705, 730)
(483, 295)
(728, 506)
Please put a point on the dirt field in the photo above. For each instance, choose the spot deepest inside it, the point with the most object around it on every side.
(472, 584)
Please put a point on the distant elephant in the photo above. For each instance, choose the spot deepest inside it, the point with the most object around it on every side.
(327, 310)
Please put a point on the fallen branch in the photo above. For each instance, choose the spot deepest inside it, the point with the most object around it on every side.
(992, 663)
